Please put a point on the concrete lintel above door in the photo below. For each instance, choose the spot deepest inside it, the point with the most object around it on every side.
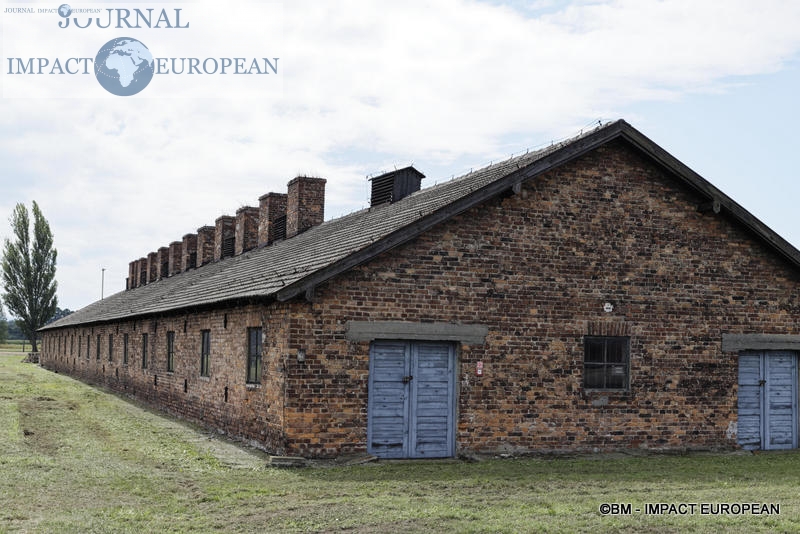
(467, 334)
(741, 342)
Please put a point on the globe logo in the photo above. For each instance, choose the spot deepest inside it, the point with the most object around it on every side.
(64, 10)
(123, 66)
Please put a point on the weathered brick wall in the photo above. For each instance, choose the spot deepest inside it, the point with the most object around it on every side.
(537, 268)
(251, 412)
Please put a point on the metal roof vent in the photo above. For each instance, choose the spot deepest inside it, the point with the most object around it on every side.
(395, 185)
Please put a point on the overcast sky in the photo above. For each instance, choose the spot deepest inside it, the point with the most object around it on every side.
(365, 86)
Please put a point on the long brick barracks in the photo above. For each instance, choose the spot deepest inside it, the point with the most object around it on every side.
(596, 295)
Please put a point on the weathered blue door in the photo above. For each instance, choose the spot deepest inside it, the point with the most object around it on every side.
(767, 404)
(411, 400)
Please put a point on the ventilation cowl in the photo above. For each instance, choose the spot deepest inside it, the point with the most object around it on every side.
(395, 185)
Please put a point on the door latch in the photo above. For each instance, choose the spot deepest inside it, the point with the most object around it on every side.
(407, 379)
(762, 382)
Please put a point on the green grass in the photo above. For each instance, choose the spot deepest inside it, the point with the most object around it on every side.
(76, 459)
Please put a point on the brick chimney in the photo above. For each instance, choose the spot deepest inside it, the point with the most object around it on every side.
(163, 262)
(142, 266)
(132, 274)
(175, 257)
(271, 218)
(305, 204)
(205, 245)
(246, 229)
(189, 252)
(224, 237)
(153, 267)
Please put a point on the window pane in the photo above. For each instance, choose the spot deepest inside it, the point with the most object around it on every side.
(594, 377)
(616, 350)
(594, 350)
(616, 376)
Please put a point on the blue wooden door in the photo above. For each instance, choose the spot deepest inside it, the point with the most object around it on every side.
(411, 400)
(767, 404)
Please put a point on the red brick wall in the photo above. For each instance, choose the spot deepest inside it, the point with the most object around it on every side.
(537, 268)
(251, 412)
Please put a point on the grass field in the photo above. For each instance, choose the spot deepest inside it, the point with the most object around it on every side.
(13, 345)
(77, 459)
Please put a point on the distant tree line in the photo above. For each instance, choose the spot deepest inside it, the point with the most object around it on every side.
(9, 329)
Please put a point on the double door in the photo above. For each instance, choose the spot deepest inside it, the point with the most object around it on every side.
(411, 400)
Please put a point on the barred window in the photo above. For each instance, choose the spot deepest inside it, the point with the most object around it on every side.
(205, 352)
(606, 362)
(125, 349)
(170, 352)
(254, 355)
(144, 351)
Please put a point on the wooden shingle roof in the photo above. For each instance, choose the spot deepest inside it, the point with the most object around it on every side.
(295, 266)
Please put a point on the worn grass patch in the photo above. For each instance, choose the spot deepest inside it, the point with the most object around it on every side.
(76, 459)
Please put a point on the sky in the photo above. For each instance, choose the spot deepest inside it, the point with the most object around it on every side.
(365, 86)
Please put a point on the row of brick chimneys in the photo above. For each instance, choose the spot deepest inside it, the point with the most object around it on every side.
(279, 216)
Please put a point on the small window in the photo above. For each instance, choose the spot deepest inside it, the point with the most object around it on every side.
(144, 351)
(205, 352)
(110, 347)
(98, 347)
(125, 349)
(80, 339)
(88, 342)
(170, 352)
(254, 355)
(606, 362)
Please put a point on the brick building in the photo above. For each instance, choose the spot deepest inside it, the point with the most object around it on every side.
(594, 295)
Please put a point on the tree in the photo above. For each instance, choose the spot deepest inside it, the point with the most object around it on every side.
(29, 272)
(59, 314)
(3, 326)
(13, 330)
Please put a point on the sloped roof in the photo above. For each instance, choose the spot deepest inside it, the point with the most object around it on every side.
(291, 267)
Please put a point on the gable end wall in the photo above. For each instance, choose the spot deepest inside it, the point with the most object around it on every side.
(537, 268)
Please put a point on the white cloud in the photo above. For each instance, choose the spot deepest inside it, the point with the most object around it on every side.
(436, 83)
